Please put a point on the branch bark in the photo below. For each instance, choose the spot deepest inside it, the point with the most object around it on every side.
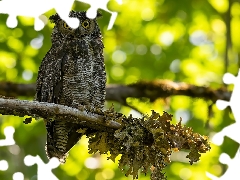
(58, 112)
(142, 89)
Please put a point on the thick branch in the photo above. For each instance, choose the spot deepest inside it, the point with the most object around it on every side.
(119, 93)
(166, 88)
(58, 112)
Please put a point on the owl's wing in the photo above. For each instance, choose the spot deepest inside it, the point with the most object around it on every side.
(61, 136)
(49, 81)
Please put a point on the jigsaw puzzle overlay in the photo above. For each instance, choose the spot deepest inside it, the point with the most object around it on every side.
(8, 132)
(231, 131)
(36, 9)
(44, 170)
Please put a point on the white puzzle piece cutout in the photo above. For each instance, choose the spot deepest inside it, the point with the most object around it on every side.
(231, 131)
(36, 9)
(44, 171)
(18, 176)
(8, 132)
(101, 4)
(8, 141)
(233, 167)
(3, 165)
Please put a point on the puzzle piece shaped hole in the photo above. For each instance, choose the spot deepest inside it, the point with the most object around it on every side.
(8, 132)
(44, 170)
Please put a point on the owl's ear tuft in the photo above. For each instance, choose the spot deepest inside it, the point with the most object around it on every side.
(99, 14)
(54, 18)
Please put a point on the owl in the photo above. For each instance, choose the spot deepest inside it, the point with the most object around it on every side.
(72, 73)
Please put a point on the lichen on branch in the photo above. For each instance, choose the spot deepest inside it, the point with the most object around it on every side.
(147, 143)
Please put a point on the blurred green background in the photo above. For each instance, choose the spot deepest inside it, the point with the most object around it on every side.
(183, 41)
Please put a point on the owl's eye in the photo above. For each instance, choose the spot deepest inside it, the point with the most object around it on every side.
(85, 24)
(66, 26)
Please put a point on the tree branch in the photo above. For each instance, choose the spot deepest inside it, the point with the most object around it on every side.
(13, 89)
(58, 112)
(148, 89)
(153, 135)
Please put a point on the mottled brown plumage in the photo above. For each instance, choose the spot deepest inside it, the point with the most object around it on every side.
(72, 73)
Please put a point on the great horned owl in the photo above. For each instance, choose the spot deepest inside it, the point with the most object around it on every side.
(72, 73)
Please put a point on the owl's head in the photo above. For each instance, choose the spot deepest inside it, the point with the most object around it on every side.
(87, 27)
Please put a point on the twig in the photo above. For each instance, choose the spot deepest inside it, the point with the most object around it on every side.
(228, 35)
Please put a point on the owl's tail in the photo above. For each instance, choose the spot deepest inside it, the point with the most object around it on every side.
(57, 141)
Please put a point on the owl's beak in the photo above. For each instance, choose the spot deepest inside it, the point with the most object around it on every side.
(77, 33)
